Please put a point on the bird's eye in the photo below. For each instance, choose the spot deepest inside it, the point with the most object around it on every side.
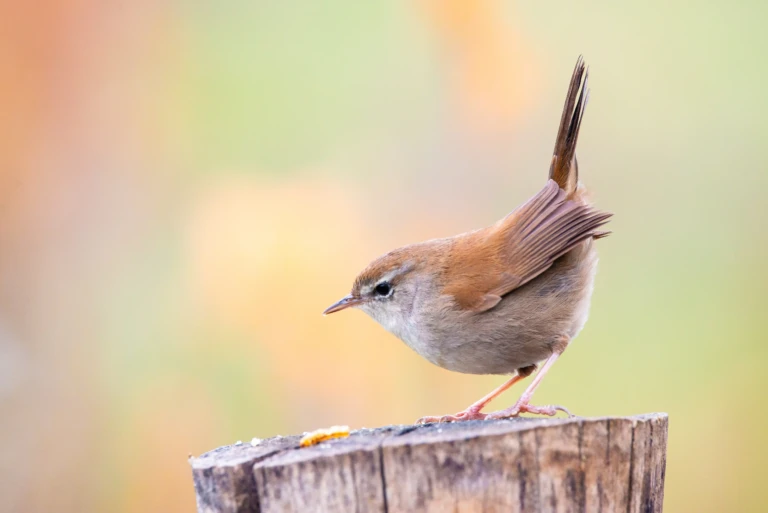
(383, 289)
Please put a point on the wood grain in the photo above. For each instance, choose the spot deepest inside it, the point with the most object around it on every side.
(517, 465)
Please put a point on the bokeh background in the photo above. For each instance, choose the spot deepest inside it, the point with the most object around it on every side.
(185, 186)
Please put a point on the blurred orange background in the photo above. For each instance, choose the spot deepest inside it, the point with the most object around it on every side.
(185, 186)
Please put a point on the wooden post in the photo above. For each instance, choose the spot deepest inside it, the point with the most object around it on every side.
(518, 465)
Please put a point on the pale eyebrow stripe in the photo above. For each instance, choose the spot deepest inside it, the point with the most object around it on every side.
(391, 274)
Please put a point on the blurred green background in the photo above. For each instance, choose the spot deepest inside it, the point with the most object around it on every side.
(185, 186)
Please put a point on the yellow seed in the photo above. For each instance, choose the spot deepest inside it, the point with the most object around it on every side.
(321, 435)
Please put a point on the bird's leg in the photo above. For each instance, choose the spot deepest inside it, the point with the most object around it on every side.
(523, 404)
(473, 411)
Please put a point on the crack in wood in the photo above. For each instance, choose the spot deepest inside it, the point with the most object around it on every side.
(383, 478)
(648, 488)
(537, 466)
(582, 471)
(631, 468)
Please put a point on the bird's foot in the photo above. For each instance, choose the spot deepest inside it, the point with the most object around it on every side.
(468, 414)
(524, 407)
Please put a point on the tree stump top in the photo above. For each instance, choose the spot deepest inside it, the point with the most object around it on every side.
(522, 464)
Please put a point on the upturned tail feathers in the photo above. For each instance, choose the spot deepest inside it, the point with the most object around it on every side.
(564, 169)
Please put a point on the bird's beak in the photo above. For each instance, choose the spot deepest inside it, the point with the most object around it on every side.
(343, 303)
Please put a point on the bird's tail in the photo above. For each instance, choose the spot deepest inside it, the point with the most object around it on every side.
(564, 169)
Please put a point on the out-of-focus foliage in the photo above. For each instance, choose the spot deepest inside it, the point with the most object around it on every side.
(185, 186)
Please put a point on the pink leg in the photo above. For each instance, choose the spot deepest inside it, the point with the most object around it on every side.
(522, 405)
(473, 412)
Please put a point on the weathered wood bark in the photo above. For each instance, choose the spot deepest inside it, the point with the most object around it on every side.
(525, 465)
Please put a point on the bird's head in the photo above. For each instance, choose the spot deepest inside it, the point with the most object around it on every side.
(386, 289)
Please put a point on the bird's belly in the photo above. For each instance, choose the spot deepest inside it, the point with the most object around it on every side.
(469, 354)
(476, 347)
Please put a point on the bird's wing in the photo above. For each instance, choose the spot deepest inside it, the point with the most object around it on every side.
(485, 265)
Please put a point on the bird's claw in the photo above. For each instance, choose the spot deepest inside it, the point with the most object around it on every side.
(459, 417)
(550, 410)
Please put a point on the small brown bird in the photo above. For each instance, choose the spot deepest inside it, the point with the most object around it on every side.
(501, 299)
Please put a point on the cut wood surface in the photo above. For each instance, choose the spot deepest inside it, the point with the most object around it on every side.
(524, 464)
